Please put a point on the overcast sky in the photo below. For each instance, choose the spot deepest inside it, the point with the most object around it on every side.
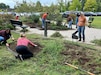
(11, 3)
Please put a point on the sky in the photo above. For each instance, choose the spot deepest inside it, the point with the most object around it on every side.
(12, 3)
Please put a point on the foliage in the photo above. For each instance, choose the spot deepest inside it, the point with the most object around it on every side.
(4, 21)
(22, 7)
(57, 34)
(57, 27)
(3, 6)
(38, 6)
(76, 5)
(32, 19)
(90, 5)
(50, 60)
(97, 42)
(9, 26)
(61, 6)
(98, 5)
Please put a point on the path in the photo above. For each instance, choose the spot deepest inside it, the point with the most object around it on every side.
(90, 33)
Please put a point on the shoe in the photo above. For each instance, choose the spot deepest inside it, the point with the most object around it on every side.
(79, 40)
(83, 40)
(19, 57)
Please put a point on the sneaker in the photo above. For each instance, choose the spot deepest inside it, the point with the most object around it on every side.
(79, 40)
(19, 57)
(83, 40)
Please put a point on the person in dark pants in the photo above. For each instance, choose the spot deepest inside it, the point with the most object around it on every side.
(5, 35)
(22, 47)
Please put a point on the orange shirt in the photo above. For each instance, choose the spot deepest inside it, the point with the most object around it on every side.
(81, 21)
(44, 16)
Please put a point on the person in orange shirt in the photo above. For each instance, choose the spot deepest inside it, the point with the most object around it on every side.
(44, 16)
(81, 26)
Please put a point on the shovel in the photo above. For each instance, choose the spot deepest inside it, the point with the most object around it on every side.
(79, 68)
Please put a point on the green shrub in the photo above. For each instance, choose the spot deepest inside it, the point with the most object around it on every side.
(34, 18)
(57, 34)
(9, 26)
(55, 27)
(98, 42)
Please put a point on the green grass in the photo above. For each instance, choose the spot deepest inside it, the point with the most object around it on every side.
(48, 62)
(97, 22)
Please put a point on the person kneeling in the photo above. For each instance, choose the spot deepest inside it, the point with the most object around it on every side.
(22, 47)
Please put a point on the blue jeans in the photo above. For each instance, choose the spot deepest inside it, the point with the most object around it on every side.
(70, 24)
(81, 30)
(1, 38)
(43, 23)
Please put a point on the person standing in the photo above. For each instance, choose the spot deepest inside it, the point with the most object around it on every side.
(44, 16)
(70, 21)
(81, 26)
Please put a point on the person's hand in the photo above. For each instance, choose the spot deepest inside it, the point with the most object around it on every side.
(13, 39)
(7, 44)
(35, 45)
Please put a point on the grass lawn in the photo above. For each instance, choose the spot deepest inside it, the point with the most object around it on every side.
(97, 22)
(50, 60)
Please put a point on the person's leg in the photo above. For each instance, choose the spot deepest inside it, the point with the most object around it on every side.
(2, 41)
(23, 50)
(1, 38)
(79, 30)
(83, 33)
(70, 24)
(43, 23)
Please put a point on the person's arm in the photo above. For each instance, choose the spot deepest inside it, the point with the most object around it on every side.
(12, 37)
(32, 43)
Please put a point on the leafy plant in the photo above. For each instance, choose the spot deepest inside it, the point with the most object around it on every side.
(57, 34)
(98, 42)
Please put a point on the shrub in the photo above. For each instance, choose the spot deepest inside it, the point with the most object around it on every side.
(55, 27)
(98, 42)
(34, 18)
(57, 34)
(9, 26)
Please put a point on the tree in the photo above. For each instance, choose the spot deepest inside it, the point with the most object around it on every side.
(4, 6)
(23, 7)
(90, 5)
(61, 5)
(82, 4)
(38, 6)
(76, 5)
(98, 5)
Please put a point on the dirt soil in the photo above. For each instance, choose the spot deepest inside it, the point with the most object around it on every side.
(82, 57)
(34, 50)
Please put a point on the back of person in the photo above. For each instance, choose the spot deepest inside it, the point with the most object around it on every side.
(69, 18)
(22, 41)
(44, 16)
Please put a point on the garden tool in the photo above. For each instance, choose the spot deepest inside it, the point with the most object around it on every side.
(79, 68)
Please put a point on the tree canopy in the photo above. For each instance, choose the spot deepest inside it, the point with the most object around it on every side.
(90, 5)
(76, 5)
